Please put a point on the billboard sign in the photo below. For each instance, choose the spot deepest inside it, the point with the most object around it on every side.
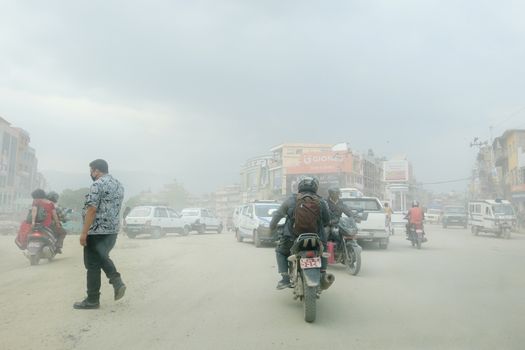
(323, 163)
(395, 171)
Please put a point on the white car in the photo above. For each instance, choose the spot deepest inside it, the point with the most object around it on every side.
(155, 221)
(254, 222)
(433, 216)
(372, 229)
(201, 220)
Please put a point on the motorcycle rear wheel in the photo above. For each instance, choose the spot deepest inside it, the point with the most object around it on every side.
(419, 243)
(309, 301)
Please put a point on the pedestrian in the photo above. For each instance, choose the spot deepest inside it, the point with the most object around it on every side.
(99, 233)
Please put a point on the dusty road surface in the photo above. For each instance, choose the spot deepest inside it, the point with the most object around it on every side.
(210, 292)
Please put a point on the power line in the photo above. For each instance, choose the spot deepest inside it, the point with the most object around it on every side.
(446, 182)
(510, 116)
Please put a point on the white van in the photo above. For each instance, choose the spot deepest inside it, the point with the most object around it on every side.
(493, 216)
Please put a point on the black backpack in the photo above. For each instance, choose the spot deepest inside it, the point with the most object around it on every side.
(306, 213)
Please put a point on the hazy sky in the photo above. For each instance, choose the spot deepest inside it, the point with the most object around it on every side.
(194, 88)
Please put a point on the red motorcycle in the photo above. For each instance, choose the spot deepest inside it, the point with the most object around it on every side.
(38, 242)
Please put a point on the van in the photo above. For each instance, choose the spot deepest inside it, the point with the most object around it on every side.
(492, 216)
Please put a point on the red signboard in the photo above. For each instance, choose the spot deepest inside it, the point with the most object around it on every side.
(323, 163)
(518, 188)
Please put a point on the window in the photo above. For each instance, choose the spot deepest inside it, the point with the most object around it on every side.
(368, 204)
(487, 211)
(140, 212)
(266, 210)
(161, 213)
(190, 213)
(173, 213)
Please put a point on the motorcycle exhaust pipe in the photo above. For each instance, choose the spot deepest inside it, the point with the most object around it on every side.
(327, 280)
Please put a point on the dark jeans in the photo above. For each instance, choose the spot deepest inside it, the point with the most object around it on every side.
(282, 252)
(96, 258)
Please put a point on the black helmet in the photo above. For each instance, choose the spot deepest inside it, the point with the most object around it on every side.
(53, 196)
(334, 191)
(308, 184)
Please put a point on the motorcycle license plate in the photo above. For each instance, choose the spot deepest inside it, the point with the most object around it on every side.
(310, 263)
(33, 244)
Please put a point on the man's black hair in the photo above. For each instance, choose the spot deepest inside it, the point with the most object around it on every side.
(38, 194)
(100, 165)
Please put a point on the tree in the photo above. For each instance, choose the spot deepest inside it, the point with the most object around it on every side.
(173, 195)
(73, 199)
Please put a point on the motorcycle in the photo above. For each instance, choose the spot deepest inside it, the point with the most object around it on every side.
(346, 250)
(416, 235)
(41, 244)
(305, 272)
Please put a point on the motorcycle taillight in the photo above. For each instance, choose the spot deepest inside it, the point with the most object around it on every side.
(37, 234)
(310, 254)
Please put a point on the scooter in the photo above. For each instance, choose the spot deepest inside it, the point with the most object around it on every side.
(41, 244)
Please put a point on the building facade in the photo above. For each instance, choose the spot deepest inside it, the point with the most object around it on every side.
(18, 169)
(509, 161)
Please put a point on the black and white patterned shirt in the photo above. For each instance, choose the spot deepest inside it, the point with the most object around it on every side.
(106, 194)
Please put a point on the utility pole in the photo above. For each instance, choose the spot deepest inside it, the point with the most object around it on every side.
(485, 166)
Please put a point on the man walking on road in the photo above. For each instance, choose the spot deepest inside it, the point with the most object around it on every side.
(99, 233)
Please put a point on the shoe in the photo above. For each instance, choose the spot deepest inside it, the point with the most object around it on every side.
(119, 288)
(284, 283)
(86, 305)
(59, 250)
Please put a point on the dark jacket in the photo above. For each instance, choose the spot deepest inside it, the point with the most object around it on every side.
(337, 210)
(286, 210)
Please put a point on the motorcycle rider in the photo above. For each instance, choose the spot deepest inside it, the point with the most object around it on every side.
(307, 185)
(336, 208)
(415, 216)
(58, 231)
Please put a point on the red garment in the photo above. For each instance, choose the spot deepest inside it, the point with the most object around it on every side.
(48, 206)
(415, 216)
(23, 234)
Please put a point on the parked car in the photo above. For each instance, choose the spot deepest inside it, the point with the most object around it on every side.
(454, 216)
(254, 222)
(433, 216)
(373, 228)
(201, 220)
(155, 221)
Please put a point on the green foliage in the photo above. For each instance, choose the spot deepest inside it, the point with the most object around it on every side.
(73, 199)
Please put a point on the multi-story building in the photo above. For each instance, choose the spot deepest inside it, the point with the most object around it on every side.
(286, 156)
(277, 175)
(18, 168)
(509, 160)
(255, 178)
(373, 184)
